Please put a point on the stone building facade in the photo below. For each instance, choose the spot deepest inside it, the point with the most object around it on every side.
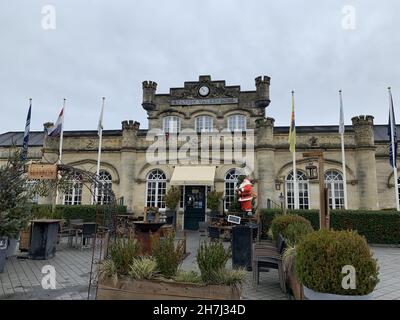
(200, 110)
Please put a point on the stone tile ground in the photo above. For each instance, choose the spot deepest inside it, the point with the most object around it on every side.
(21, 278)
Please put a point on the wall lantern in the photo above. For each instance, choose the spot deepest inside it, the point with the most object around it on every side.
(312, 171)
(277, 184)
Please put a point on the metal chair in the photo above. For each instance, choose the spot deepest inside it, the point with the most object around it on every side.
(88, 232)
(270, 257)
(203, 227)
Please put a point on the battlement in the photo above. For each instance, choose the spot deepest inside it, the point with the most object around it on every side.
(363, 120)
(262, 79)
(149, 85)
(130, 125)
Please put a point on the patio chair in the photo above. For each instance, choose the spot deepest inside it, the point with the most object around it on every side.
(203, 227)
(88, 232)
(68, 231)
(214, 233)
(270, 257)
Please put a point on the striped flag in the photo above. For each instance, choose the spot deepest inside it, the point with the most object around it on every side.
(25, 144)
(56, 130)
(393, 139)
(341, 118)
(292, 130)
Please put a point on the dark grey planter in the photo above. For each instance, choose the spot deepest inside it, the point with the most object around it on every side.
(3, 251)
(12, 247)
(171, 217)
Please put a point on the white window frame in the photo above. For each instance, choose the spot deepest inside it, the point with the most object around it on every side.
(172, 124)
(105, 179)
(231, 180)
(73, 196)
(156, 180)
(237, 122)
(334, 183)
(204, 124)
(303, 189)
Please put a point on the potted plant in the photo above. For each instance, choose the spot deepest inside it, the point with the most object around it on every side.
(214, 199)
(324, 258)
(171, 202)
(158, 276)
(15, 209)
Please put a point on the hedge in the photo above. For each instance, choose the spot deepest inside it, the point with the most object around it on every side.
(85, 212)
(379, 227)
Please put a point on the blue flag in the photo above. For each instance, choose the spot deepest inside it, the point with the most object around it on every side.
(25, 143)
(392, 124)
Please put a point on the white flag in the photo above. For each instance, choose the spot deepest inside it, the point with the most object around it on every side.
(341, 120)
(100, 126)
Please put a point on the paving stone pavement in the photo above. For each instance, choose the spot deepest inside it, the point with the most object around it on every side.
(22, 278)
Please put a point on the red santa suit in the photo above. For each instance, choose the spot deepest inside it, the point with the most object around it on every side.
(245, 192)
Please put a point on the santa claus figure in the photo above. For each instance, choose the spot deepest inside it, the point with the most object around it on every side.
(246, 195)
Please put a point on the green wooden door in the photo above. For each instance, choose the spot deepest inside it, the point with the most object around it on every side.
(195, 206)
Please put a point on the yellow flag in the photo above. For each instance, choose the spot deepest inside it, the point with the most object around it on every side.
(292, 130)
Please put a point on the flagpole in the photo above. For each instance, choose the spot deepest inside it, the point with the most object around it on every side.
(295, 185)
(343, 152)
(394, 160)
(100, 133)
(62, 134)
(61, 144)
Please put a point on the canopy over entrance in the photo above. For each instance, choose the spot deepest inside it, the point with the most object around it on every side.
(193, 176)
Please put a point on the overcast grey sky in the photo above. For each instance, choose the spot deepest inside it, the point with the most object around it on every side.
(107, 48)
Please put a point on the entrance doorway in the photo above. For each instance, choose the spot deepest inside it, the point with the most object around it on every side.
(195, 206)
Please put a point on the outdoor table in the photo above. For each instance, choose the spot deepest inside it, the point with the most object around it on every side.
(43, 240)
(144, 231)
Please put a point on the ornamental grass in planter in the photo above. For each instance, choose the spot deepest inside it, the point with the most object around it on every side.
(321, 257)
(158, 277)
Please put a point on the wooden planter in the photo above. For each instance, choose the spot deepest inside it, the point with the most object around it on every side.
(25, 239)
(128, 289)
(292, 281)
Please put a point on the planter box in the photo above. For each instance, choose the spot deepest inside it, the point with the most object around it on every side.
(24, 240)
(128, 289)
(314, 295)
(295, 286)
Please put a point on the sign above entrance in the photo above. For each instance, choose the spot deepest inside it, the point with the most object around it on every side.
(37, 171)
(192, 102)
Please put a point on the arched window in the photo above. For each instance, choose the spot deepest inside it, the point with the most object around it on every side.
(237, 122)
(172, 124)
(155, 189)
(204, 124)
(231, 181)
(105, 186)
(334, 183)
(73, 195)
(302, 183)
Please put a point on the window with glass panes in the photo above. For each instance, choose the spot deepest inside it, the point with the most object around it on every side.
(156, 189)
(231, 181)
(237, 122)
(172, 124)
(204, 124)
(302, 183)
(73, 194)
(334, 183)
(104, 189)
